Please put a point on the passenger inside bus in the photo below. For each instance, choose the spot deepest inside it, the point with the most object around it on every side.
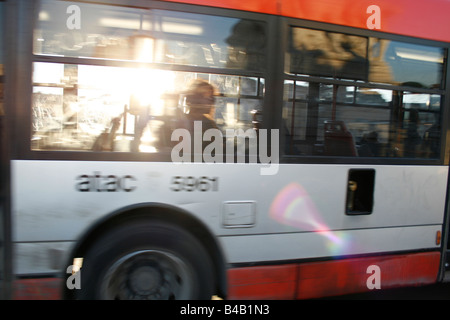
(413, 140)
(199, 104)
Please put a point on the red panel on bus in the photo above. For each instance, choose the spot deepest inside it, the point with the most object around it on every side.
(294, 281)
(37, 289)
(261, 6)
(330, 278)
(423, 19)
(321, 279)
(263, 282)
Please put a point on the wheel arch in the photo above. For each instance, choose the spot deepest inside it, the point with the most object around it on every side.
(160, 212)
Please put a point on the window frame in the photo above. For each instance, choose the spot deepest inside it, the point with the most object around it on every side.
(23, 112)
(277, 41)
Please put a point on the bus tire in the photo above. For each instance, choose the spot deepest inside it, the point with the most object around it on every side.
(142, 260)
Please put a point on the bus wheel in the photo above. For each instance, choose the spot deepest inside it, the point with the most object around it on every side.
(147, 261)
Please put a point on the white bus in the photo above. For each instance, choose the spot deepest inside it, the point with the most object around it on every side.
(325, 172)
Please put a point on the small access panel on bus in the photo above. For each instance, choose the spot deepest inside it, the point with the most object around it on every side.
(360, 187)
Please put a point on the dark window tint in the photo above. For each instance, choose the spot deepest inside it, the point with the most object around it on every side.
(321, 53)
(405, 64)
(330, 54)
(333, 120)
(345, 114)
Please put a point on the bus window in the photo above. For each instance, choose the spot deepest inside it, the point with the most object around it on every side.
(329, 54)
(99, 108)
(405, 64)
(125, 87)
(160, 36)
(343, 113)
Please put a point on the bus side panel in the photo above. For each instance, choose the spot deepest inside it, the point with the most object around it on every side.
(298, 213)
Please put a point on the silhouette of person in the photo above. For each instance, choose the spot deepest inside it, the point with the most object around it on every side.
(200, 104)
(413, 139)
(432, 140)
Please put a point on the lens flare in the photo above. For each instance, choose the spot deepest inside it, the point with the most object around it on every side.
(294, 207)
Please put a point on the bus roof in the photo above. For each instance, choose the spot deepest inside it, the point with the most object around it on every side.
(423, 19)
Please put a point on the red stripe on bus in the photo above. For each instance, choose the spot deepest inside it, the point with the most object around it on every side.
(37, 289)
(268, 282)
(330, 278)
(424, 19)
(261, 6)
(293, 281)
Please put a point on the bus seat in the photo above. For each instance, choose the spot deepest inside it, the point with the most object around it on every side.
(338, 140)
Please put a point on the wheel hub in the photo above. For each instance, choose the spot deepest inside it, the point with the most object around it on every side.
(147, 275)
(145, 280)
